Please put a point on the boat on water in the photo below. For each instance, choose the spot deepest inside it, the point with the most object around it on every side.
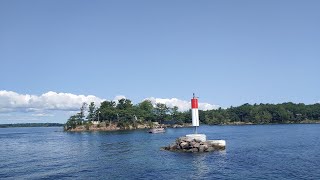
(157, 130)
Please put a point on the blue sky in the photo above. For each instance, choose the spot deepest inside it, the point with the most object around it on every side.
(227, 52)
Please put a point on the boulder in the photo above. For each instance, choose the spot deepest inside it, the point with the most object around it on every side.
(195, 150)
(192, 143)
(202, 148)
(209, 149)
(173, 146)
(196, 145)
(184, 145)
(185, 139)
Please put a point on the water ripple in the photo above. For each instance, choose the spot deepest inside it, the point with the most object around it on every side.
(253, 152)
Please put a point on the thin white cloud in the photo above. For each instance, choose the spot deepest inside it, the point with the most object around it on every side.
(117, 98)
(42, 115)
(12, 102)
(181, 104)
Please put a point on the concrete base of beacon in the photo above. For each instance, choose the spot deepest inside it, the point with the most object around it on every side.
(203, 138)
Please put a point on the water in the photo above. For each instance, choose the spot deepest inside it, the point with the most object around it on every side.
(253, 152)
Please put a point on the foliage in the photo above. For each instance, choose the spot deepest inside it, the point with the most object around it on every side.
(82, 111)
(124, 113)
(264, 113)
(91, 112)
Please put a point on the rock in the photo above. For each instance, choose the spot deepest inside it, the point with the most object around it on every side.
(142, 126)
(173, 146)
(184, 145)
(195, 150)
(192, 150)
(196, 145)
(210, 149)
(185, 139)
(178, 147)
(202, 148)
(192, 143)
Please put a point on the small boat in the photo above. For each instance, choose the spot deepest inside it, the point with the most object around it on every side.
(157, 130)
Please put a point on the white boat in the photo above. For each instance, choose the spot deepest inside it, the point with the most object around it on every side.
(157, 130)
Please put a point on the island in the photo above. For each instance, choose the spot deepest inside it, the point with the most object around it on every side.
(124, 115)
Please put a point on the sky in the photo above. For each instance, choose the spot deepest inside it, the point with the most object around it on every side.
(55, 54)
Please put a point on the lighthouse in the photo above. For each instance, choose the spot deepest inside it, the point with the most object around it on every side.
(195, 120)
(195, 142)
(195, 112)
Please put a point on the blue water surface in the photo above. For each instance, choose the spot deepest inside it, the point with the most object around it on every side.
(252, 152)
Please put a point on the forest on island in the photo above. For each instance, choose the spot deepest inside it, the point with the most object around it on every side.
(124, 112)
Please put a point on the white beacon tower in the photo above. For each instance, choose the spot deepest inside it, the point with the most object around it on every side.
(195, 112)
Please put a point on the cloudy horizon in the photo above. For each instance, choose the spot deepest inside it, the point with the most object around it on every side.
(58, 106)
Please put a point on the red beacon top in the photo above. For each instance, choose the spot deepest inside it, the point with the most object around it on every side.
(194, 102)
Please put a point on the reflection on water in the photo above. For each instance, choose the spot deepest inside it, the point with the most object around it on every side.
(200, 165)
(209, 163)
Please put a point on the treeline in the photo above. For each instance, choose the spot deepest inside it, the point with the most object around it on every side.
(263, 114)
(31, 125)
(124, 112)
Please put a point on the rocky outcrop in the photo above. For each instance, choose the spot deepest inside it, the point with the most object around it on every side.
(106, 126)
(94, 127)
(185, 144)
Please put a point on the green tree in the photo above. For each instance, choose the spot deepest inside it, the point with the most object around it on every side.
(107, 111)
(125, 113)
(91, 112)
(177, 116)
(108, 105)
(161, 111)
(145, 110)
(73, 121)
(82, 110)
(124, 104)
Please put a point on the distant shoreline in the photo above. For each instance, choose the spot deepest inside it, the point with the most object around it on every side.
(250, 123)
(31, 125)
(130, 128)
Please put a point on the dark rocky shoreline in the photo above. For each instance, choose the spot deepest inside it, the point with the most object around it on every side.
(103, 126)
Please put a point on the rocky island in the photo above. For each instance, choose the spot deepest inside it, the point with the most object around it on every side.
(186, 144)
(123, 115)
(104, 126)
